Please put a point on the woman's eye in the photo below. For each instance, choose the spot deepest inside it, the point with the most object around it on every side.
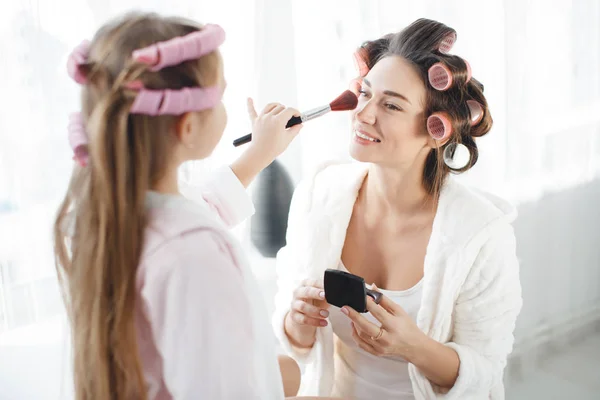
(362, 92)
(393, 107)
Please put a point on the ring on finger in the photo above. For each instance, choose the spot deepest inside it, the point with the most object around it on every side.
(376, 338)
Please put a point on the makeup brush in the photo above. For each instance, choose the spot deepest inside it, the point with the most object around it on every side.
(344, 102)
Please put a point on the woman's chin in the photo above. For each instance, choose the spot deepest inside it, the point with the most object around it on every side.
(359, 153)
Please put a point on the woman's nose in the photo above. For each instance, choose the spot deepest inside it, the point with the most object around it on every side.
(365, 113)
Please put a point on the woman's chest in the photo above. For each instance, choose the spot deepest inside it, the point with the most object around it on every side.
(392, 260)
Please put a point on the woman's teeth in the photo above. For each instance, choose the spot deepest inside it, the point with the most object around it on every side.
(362, 136)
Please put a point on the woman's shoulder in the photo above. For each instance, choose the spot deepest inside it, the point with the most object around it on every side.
(330, 183)
(468, 214)
(334, 170)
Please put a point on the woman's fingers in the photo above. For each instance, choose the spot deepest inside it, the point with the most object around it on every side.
(309, 293)
(309, 310)
(303, 319)
(306, 308)
(363, 325)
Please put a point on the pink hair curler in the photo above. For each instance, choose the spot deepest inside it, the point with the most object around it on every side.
(469, 72)
(447, 43)
(177, 50)
(439, 125)
(355, 85)
(440, 77)
(76, 59)
(360, 61)
(135, 85)
(476, 111)
(175, 102)
(174, 52)
(78, 138)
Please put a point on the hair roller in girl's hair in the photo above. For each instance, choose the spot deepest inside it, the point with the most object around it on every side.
(78, 138)
(76, 59)
(180, 49)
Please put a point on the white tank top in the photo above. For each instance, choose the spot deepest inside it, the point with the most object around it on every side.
(362, 376)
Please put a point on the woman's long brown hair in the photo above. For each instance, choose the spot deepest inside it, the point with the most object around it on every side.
(99, 229)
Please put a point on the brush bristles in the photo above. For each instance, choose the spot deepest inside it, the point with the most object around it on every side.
(344, 102)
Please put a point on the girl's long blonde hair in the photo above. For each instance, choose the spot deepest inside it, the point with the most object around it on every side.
(99, 229)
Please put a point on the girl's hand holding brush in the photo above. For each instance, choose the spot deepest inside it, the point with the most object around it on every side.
(270, 134)
(344, 102)
(270, 139)
(273, 131)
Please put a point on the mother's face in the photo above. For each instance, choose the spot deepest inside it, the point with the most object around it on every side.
(388, 123)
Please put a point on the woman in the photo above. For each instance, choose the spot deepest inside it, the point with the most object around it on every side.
(443, 255)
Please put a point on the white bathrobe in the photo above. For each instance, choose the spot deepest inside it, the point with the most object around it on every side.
(471, 292)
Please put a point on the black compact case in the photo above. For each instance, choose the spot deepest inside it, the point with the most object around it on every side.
(345, 289)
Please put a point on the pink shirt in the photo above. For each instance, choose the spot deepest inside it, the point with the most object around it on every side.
(203, 330)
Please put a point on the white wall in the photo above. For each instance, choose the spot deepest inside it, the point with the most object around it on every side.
(34, 362)
(558, 239)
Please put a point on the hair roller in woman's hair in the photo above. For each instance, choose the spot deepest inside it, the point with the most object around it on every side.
(440, 77)
(476, 111)
(456, 156)
(439, 125)
(469, 73)
(447, 43)
(360, 61)
(355, 85)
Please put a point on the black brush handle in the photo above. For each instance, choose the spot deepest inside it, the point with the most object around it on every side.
(293, 121)
(247, 138)
(242, 140)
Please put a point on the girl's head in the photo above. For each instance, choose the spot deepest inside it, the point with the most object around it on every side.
(115, 67)
(151, 99)
(398, 102)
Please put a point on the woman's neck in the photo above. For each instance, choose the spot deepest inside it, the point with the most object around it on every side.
(394, 190)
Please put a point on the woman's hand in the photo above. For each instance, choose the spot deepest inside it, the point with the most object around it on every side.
(308, 311)
(398, 335)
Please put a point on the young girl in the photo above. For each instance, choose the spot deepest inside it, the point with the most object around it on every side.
(161, 301)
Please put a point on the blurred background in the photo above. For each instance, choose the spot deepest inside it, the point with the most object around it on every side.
(538, 59)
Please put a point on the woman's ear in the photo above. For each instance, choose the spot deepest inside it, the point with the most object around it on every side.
(437, 143)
